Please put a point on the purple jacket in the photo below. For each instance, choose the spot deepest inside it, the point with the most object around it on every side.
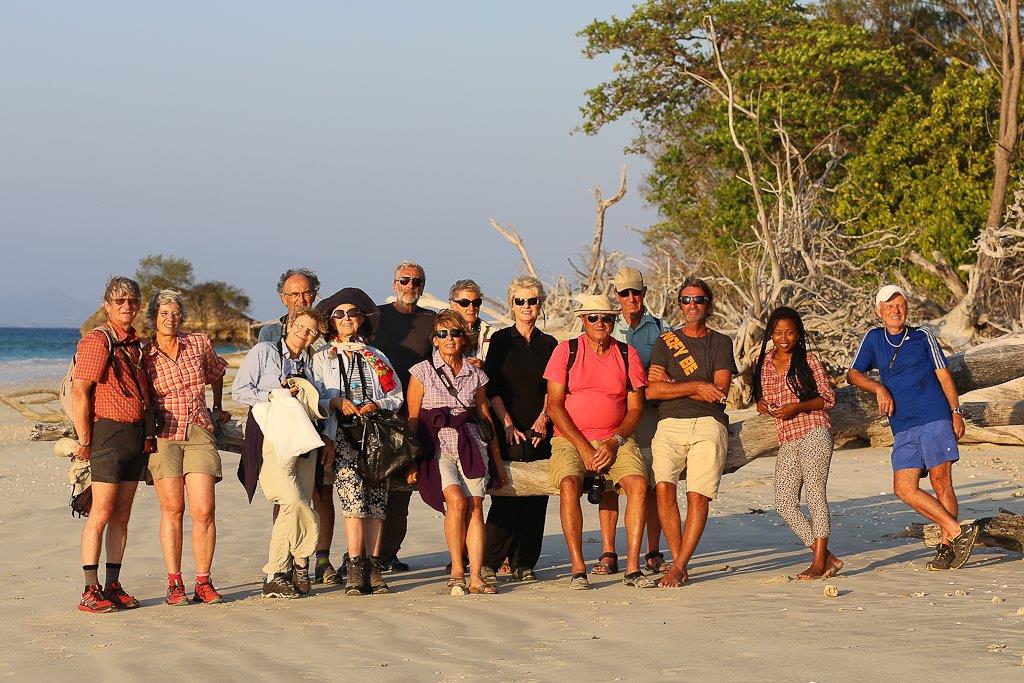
(430, 424)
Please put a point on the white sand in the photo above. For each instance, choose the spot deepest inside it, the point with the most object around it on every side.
(741, 618)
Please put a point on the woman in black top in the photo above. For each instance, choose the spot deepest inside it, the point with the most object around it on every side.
(516, 388)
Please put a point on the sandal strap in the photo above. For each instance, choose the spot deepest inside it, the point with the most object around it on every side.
(614, 556)
(654, 553)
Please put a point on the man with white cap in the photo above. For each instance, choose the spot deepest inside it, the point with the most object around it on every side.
(915, 390)
(595, 397)
(638, 328)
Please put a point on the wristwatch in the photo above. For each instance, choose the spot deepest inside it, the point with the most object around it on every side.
(958, 410)
(620, 438)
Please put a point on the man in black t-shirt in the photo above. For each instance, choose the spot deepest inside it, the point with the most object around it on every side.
(404, 337)
(690, 372)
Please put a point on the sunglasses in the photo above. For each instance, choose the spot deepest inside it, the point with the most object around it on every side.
(130, 300)
(607, 319)
(350, 313)
(416, 281)
(532, 301)
(624, 293)
(466, 303)
(456, 333)
(700, 299)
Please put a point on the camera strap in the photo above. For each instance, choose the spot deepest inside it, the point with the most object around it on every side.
(448, 385)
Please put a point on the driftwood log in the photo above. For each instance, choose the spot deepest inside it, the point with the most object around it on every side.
(855, 416)
(1005, 530)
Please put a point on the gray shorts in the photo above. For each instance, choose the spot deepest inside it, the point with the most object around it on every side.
(452, 474)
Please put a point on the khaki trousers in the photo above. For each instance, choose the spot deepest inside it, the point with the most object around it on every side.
(296, 529)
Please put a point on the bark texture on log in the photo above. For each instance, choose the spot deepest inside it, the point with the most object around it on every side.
(1005, 530)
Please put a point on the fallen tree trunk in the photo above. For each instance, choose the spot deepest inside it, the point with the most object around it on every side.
(1005, 530)
(855, 416)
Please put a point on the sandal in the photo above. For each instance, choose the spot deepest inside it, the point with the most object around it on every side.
(638, 580)
(485, 589)
(606, 568)
(657, 566)
(457, 585)
(579, 582)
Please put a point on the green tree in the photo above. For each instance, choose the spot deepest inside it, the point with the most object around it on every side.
(156, 272)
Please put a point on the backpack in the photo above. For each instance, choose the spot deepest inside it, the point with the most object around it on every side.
(574, 347)
(64, 393)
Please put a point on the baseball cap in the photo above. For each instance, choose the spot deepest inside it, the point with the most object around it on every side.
(628, 278)
(887, 292)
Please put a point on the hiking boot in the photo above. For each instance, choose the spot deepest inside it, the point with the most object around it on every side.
(356, 579)
(942, 560)
(176, 595)
(393, 564)
(121, 599)
(280, 587)
(325, 572)
(488, 575)
(963, 545)
(94, 602)
(377, 584)
(207, 594)
(300, 579)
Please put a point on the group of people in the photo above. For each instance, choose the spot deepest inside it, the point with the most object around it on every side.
(628, 406)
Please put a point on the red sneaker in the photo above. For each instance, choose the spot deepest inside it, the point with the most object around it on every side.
(94, 602)
(207, 594)
(119, 597)
(176, 595)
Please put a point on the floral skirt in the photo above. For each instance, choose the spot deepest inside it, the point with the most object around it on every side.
(358, 499)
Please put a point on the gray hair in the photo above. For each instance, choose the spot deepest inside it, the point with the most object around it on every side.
(165, 296)
(526, 282)
(119, 284)
(314, 281)
(694, 281)
(459, 285)
(411, 264)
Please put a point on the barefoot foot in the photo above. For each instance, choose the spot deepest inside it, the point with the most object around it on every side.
(674, 578)
(835, 565)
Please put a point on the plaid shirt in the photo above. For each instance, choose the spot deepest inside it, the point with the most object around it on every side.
(776, 392)
(435, 395)
(116, 396)
(179, 384)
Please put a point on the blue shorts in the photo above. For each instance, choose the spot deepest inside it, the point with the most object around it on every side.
(925, 446)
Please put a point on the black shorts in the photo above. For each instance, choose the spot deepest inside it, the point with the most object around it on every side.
(117, 452)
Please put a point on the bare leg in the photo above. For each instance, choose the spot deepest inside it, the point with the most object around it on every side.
(668, 513)
(456, 508)
(608, 516)
(696, 520)
(354, 532)
(373, 531)
(571, 514)
(103, 498)
(906, 486)
(117, 528)
(202, 508)
(635, 487)
(170, 493)
(941, 477)
(475, 540)
(323, 504)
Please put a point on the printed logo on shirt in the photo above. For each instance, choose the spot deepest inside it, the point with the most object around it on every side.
(687, 363)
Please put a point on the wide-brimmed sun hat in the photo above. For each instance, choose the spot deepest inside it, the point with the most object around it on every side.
(598, 304)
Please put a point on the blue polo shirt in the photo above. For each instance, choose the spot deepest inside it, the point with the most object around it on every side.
(916, 393)
(641, 337)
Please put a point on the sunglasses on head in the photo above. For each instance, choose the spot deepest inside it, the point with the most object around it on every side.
(606, 318)
(630, 292)
(699, 299)
(416, 281)
(532, 301)
(466, 303)
(350, 313)
(454, 332)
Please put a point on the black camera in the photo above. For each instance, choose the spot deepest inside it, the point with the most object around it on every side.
(595, 484)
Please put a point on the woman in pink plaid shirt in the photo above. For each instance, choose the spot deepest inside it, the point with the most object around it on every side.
(790, 384)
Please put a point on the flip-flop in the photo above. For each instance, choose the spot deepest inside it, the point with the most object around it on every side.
(606, 568)
(579, 582)
(658, 566)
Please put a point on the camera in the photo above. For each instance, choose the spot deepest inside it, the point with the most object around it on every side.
(595, 484)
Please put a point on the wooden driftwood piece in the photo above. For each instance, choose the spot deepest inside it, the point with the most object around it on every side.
(855, 416)
(1005, 530)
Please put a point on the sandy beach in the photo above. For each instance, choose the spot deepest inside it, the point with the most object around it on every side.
(742, 617)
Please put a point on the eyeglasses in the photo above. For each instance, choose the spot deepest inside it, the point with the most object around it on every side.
(624, 293)
(532, 301)
(416, 281)
(699, 299)
(456, 333)
(594, 317)
(173, 315)
(350, 313)
(466, 303)
(129, 300)
(303, 330)
(295, 295)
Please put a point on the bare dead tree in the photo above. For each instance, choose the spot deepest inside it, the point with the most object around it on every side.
(598, 261)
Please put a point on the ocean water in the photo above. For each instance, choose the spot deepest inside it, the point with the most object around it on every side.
(39, 356)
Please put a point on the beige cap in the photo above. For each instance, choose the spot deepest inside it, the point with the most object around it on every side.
(628, 278)
(595, 303)
(887, 292)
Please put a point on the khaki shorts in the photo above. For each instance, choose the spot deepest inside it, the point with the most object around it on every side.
(566, 462)
(697, 445)
(197, 453)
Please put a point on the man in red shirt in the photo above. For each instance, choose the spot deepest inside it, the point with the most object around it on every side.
(109, 395)
(595, 398)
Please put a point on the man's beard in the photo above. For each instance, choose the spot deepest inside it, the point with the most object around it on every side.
(408, 299)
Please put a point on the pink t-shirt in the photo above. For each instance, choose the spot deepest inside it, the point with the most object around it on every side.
(597, 386)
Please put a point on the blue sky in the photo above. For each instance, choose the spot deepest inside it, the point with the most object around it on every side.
(248, 137)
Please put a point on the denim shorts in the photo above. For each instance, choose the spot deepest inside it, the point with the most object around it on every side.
(925, 446)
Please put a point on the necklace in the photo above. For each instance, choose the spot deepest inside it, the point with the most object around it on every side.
(906, 333)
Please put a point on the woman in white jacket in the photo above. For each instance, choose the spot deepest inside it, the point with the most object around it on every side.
(354, 378)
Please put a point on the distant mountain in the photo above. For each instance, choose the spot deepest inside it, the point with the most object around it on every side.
(47, 308)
